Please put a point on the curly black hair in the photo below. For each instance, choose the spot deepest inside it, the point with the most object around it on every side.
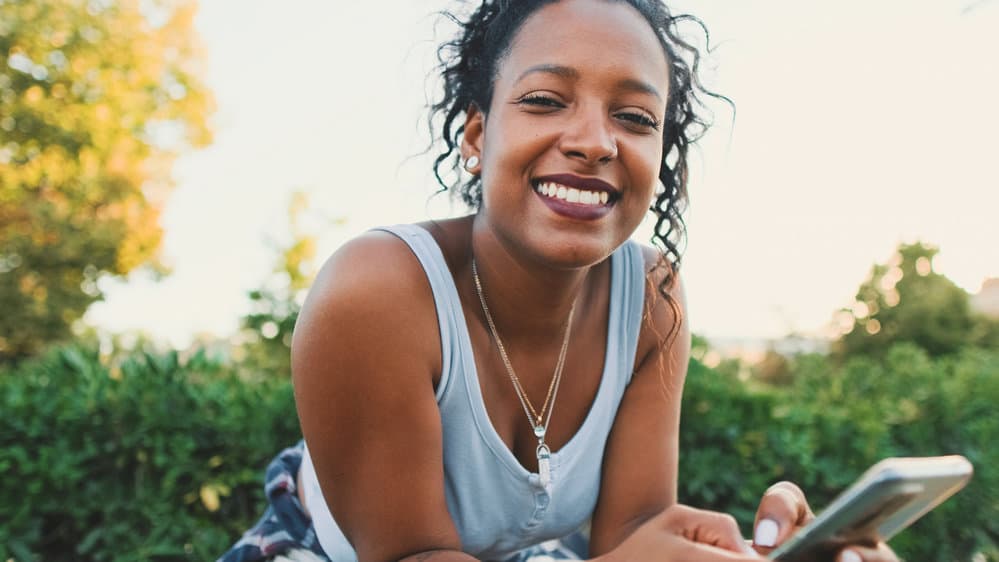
(469, 64)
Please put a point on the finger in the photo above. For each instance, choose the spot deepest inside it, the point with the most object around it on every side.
(707, 528)
(881, 553)
(706, 553)
(782, 510)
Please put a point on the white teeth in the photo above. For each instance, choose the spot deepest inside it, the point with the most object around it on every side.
(573, 195)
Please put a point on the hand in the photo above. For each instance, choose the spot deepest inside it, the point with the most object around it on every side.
(784, 509)
(683, 534)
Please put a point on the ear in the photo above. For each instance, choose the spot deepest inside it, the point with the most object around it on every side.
(472, 136)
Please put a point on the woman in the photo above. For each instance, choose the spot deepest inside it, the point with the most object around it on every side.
(473, 387)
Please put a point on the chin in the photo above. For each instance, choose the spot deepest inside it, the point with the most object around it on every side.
(555, 242)
(573, 251)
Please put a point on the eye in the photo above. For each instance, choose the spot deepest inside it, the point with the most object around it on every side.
(542, 100)
(638, 120)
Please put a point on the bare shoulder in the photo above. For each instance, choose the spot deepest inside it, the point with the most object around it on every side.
(370, 267)
(371, 293)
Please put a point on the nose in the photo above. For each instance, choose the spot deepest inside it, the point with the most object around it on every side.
(588, 138)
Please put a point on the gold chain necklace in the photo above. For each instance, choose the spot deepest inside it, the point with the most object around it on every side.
(539, 420)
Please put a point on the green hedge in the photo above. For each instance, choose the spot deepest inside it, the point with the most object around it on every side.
(154, 457)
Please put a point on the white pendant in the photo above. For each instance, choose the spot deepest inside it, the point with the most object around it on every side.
(544, 466)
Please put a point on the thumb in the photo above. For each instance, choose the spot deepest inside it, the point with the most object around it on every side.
(782, 511)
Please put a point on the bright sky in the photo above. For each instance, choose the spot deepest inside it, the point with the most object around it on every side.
(860, 125)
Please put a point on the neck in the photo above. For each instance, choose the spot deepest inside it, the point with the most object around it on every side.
(529, 300)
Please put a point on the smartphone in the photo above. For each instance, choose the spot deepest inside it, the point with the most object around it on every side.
(886, 499)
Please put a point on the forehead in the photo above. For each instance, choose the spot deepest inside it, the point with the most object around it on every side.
(591, 36)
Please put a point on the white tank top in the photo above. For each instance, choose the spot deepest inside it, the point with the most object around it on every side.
(497, 505)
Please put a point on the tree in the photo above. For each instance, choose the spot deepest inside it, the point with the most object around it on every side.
(905, 300)
(267, 329)
(96, 100)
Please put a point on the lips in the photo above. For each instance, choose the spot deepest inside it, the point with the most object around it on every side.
(576, 197)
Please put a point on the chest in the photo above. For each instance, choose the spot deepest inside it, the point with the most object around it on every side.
(564, 403)
(494, 491)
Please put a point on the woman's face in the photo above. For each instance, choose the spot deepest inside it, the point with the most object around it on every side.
(571, 144)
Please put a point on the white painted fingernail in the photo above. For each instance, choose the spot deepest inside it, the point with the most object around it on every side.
(766, 533)
(850, 556)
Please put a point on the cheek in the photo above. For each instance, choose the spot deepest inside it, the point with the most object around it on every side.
(644, 166)
(518, 139)
(510, 153)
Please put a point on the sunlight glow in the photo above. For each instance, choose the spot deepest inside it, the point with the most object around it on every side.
(924, 266)
(892, 298)
(860, 309)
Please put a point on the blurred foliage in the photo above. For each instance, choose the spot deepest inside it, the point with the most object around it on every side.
(97, 98)
(266, 331)
(149, 456)
(905, 300)
(773, 369)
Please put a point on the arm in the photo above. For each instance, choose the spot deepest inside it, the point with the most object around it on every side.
(640, 463)
(365, 353)
(637, 517)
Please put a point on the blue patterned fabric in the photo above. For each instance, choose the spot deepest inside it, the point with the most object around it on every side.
(284, 526)
(285, 533)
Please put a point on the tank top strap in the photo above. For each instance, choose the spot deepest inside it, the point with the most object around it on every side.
(446, 300)
(628, 286)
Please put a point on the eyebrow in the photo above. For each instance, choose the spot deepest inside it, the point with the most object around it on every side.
(633, 85)
(629, 84)
(557, 70)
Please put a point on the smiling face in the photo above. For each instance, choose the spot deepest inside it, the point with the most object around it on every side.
(571, 145)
